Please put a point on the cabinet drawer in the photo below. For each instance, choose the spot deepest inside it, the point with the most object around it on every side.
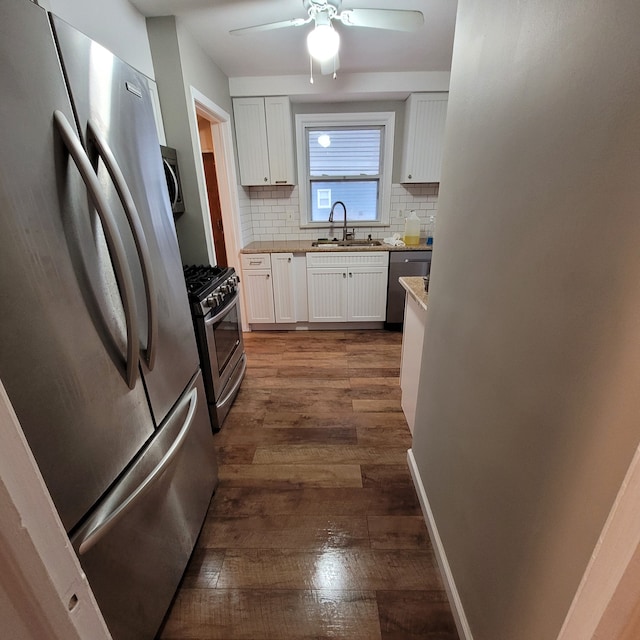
(255, 261)
(347, 259)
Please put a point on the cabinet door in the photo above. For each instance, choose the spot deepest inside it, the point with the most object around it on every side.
(259, 296)
(251, 140)
(283, 287)
(423, 137)
(367, 296)
(327, 290)
(280, 140)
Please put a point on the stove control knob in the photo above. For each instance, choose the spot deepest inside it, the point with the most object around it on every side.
(213, 300)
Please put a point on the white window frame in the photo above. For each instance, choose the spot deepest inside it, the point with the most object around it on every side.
(324, 197)
(384, 119)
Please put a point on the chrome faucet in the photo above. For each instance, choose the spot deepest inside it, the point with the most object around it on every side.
(344, 228)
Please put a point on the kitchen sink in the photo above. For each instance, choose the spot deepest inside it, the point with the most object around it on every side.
(325, 242)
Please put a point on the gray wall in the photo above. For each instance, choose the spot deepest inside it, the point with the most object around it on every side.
(116, 25)
(181, 64)
(529, 411)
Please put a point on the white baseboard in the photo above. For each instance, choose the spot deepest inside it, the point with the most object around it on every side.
(454, 599)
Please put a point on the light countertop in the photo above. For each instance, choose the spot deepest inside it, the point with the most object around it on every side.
(414, 285)
(304, 246)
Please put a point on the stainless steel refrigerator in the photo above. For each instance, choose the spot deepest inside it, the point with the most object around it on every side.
(97, 351)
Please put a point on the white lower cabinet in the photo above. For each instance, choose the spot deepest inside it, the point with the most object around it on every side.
(347, 286)
(283, 283)
(415, 318)
(270, 288)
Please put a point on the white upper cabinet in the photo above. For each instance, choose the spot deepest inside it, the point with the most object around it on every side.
(264, 135)
(425, 117)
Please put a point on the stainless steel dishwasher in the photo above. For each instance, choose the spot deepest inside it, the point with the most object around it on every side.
(402, 264)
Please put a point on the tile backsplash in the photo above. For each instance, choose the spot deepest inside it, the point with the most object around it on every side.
(272, 213)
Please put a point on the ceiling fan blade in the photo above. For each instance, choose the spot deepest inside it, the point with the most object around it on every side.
(395, 19)
(295, 22)
(330, 66)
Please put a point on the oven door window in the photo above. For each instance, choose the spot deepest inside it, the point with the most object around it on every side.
(223, 337)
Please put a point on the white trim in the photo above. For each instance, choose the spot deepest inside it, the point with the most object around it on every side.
(614, 557)
(390, 85)
(224, 154)
(464, 631)
(385, 119)
(226, 171)
(44, 591)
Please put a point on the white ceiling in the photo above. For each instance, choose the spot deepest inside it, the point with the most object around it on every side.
(282, 52)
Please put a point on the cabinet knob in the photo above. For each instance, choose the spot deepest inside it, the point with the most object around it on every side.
(409, 176)
(268, 275)
(344, 275)
(266, 179)
(288, 259)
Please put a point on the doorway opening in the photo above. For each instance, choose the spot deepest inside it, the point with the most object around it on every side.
(213, 190)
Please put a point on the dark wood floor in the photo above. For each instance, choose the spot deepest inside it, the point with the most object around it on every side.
(315, 531)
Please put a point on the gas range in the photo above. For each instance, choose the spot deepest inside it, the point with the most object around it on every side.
(210, 288)
(215, 309)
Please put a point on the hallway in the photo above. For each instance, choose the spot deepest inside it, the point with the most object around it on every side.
(315, 531)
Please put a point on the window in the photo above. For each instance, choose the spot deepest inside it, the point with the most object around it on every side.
(347, 158)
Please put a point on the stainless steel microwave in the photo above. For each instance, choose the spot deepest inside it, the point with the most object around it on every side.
(172, 174)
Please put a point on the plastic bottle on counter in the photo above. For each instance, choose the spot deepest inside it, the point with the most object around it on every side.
(412, 230)
(431, 227)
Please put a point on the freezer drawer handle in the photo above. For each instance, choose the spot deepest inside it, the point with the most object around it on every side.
(142, 248)
(114, 241)
(105, 522)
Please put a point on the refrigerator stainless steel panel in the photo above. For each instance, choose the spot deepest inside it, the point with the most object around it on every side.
(142, 533)
(63, 328)
(114, 111)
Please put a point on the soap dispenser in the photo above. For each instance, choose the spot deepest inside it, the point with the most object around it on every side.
(412, 230)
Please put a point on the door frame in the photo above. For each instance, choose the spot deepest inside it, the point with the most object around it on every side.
(224, 154)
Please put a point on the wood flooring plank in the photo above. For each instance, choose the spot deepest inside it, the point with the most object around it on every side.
(415, 615)
(293, 531)
(381, 437)
(256, 614)
(375, 372)
(290, 475)
(311, 400)
(312, 501)
(302, 371)
(357, 383)
(398, 532)
(235, 453)
(292, 418)
(387, 476)
(251, 435)
(378, 392)
(380, 405)
(275, 382)
(203, 569)
(336, 454)
(329, 569)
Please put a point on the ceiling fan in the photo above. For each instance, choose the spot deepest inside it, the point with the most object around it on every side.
(323, 41)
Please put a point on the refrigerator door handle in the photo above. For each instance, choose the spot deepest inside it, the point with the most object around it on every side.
(133, 218)
(117, 505)
(113, 239)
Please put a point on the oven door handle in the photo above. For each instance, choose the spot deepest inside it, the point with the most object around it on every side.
(174, 179)
(112, 237)
(142, 248)
(221, 314)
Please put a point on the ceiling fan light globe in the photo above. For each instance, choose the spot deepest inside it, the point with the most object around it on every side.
(323, 43)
